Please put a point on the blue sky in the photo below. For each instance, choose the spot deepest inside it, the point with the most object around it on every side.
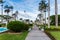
(31, 7)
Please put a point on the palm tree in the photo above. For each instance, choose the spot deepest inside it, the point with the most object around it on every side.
(11, 7)
(21, 19)
(15, 15)
(42, 7)
(56, 15)
(48, 13)
(7, 10)
(40, 16)
(45, 17)
(27, 21)
(1, 2)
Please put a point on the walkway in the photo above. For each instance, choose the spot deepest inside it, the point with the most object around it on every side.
(36, 34)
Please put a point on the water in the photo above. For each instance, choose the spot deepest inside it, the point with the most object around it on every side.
(3, 29)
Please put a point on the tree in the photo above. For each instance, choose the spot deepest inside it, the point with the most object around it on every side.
(27, 21)
(42, 8)
(15, 15)
(11, 7)
(45, 17)
(7, 10)
(48, 13)
(21, 19)
(56, 15)
(40, 16)
(1, 2)
(6, 17)
(52, 18)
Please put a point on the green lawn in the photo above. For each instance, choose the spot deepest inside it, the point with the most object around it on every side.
(6, 36)
(56, 34)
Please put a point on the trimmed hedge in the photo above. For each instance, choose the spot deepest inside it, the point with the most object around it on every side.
(17, 26)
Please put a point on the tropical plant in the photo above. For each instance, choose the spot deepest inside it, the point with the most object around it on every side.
(21, 19)
(15, 15)
(40, 16)
(27, 21)
(11, 7)
(42, 8)
(45, 18)
(1, 2)
(7, 10)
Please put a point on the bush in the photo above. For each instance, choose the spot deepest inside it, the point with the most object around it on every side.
(30, 24)
(26, 26)
(17, 26)
(0, 25)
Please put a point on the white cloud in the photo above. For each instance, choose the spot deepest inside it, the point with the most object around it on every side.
(29, 4)
(32, 8)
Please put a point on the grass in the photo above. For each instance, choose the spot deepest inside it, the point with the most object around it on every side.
(55, 32)
(6, 36)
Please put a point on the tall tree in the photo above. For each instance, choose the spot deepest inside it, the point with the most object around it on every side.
(40, 17)
(7, 10)
(45, 17)
(52, 18)
(43, 7)
(56, 15)
(1, 2)
(11, 7)
(15, 15)
(48, 13)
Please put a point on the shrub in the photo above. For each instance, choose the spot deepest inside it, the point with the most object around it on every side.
(30, 24)
(0, 25)
(16, 26)
(26, 26)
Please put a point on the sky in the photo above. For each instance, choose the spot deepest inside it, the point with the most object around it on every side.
(31, 8)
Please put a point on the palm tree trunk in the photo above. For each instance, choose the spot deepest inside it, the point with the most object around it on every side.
(45, 19)
(48, 13)
(12, 11)
(56, 15)
(42, 17)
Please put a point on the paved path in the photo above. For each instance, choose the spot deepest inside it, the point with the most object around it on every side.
(36, 34)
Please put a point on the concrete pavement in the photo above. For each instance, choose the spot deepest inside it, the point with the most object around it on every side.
(36, 34)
